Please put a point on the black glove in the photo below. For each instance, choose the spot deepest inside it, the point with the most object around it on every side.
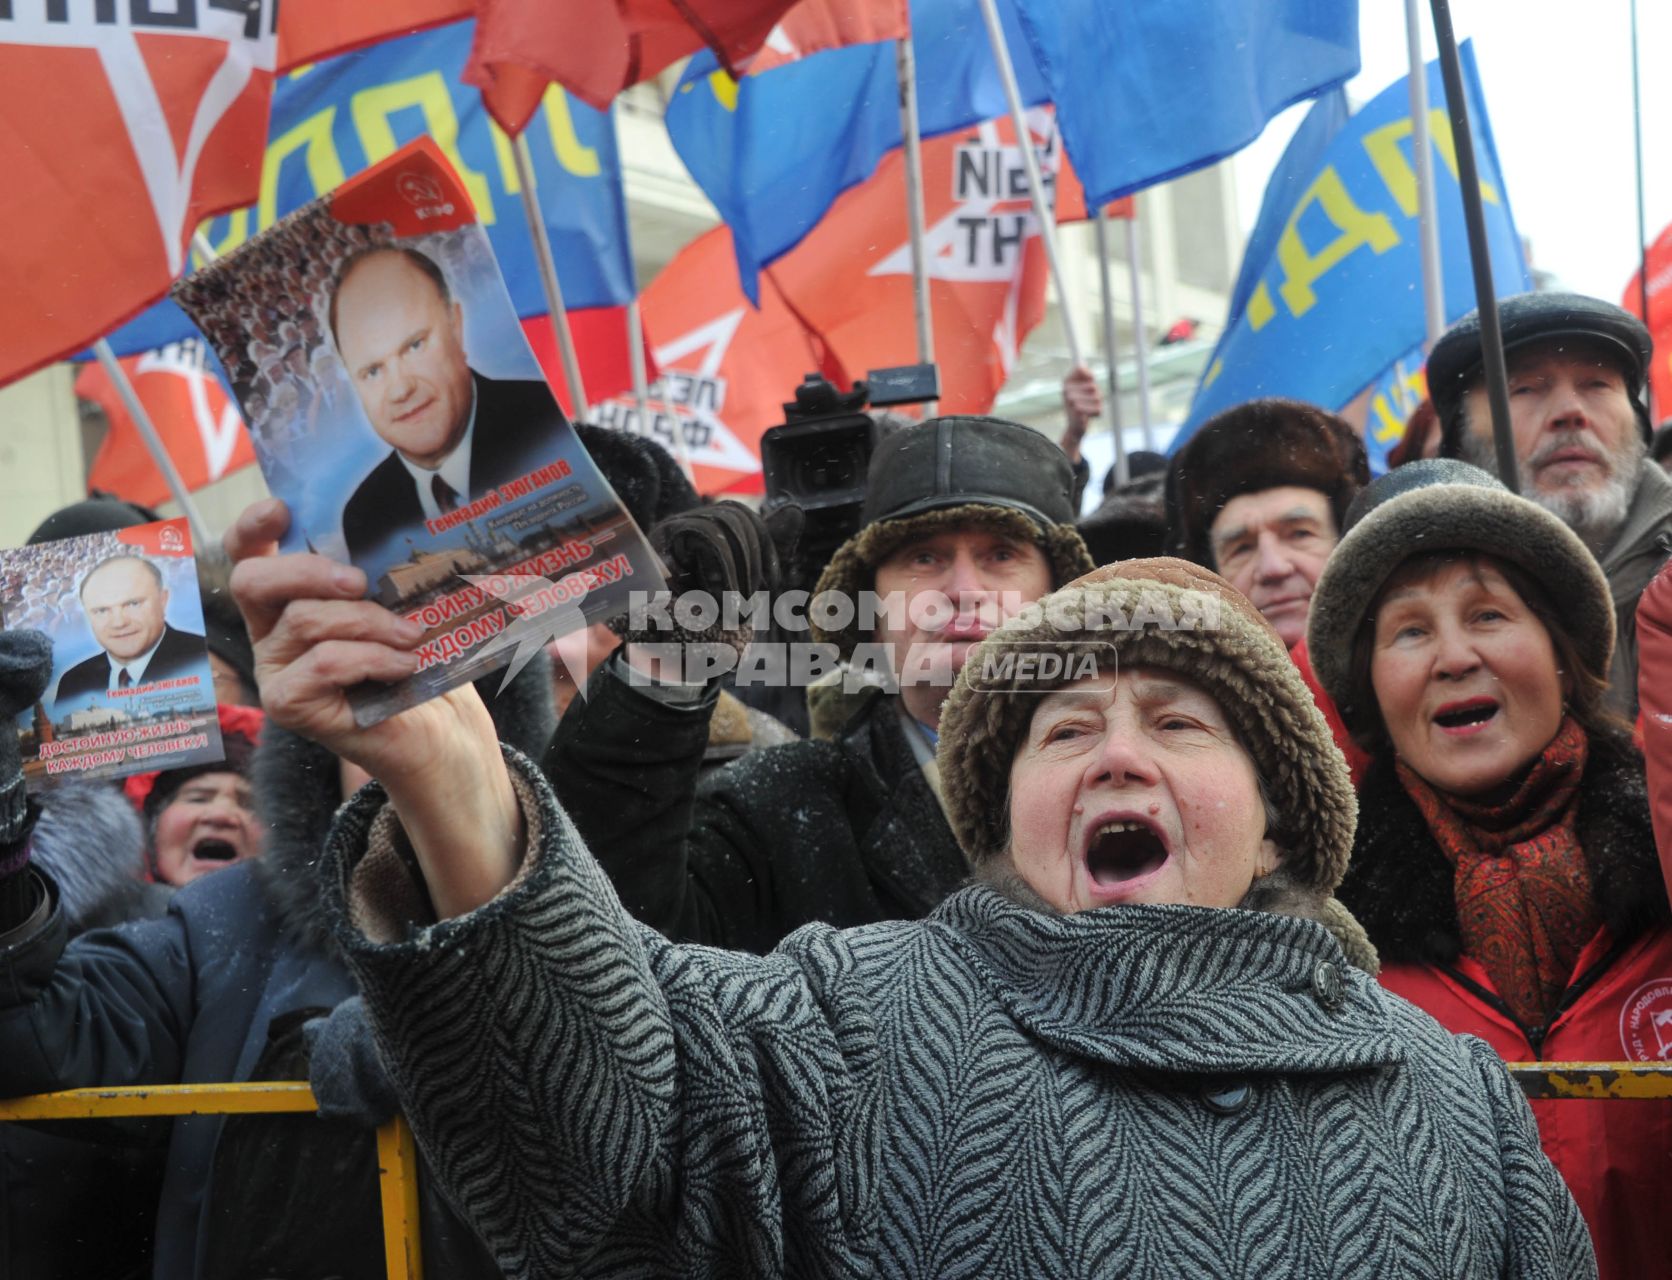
(25, 669)
(725, 551)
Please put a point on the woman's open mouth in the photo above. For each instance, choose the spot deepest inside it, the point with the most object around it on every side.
(1123, 851)
(1468, 716)
(214, 849)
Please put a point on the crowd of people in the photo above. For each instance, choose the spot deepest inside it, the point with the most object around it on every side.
(1169, 907)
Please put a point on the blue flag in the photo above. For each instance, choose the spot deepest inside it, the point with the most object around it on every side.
(331, 120)
(1301, 160)
(774, 150)
(1338, 280)
(1149, 89)
(1395, 396)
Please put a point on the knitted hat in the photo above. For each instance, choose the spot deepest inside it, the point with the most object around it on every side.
(1264, 444)
(1440, 504)
(957, 472)
(1455, 365)
(1187, 620)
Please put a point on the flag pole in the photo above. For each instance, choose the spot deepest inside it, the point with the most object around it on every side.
(635, 343)
(1486, 296)
(1036, 187)
(548, 279)
(1642, 219)
(1122, 469)
(905, 70)
(153, 442)
(1140, 338)
(1428, 218)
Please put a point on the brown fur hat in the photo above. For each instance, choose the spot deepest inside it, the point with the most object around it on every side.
(1264, 444)
(1164, 613)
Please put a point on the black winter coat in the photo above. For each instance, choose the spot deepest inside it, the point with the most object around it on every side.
(216, 990)
(846, 832)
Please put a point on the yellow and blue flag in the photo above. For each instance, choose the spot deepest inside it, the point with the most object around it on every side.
(773, 150)
(335, 118)
(1336, 280)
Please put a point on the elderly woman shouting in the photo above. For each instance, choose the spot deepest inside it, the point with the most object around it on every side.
(1505, 865)
(1133, 1050)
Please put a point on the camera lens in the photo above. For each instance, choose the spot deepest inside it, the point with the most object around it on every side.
(832, 466)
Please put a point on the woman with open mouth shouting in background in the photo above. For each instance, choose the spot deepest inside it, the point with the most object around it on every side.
(1505, 866)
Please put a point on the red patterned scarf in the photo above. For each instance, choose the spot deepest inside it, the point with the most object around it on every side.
(1522, 887)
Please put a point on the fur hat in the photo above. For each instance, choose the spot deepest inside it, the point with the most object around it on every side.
(1264, 444)
(1172, 614)
(1130, 524)
(957, 472)
(1455, 365)
(1440, 504)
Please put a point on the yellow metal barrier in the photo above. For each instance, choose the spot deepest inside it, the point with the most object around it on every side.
(1598, 1080)
(397, 1165)
(397, 1155)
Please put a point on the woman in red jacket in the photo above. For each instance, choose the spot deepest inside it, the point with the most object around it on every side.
(1505, 864)
(1654, 700)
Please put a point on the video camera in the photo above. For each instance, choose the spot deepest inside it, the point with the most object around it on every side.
(818, 458)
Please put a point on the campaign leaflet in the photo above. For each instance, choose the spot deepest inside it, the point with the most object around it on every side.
(131, 689)
(397, 409)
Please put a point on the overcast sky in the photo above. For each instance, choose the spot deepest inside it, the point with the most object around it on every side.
(1557, 78)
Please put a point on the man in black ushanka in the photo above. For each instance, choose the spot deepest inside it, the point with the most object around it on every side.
(971, 513)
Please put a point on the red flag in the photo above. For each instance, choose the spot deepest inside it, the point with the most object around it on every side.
(600, 47)
(726, 368)
(124, 126)
(1659, 321)
(198, 424)
(313, 29)
(813, 25)
(850, 279)
(601, 347)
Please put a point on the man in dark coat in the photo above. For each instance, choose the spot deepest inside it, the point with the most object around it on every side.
(851, 830)
(400, 333)
(126, 603)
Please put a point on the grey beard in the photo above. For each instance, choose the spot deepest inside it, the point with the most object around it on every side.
(1594, 514)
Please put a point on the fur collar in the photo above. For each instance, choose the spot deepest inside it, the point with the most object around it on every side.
(297, 788)
(1399, 883)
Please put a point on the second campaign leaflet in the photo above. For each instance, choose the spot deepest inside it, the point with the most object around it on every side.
(397, 410)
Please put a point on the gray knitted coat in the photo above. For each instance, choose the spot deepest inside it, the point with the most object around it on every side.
(991, 1092)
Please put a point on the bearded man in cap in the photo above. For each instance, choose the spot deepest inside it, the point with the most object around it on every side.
(1577, 369)
(972, 514)
(1258, 495)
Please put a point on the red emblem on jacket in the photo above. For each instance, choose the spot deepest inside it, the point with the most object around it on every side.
(1646, 1022)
